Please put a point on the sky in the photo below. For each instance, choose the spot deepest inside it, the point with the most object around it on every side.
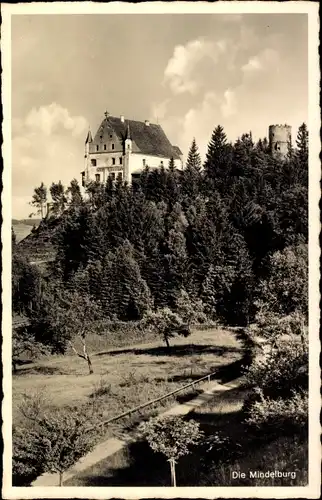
(188, 72)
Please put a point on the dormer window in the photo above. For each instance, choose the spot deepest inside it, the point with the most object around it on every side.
(113, 146)
(111, 137)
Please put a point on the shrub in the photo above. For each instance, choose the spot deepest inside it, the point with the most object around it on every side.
(278, 414)
(273, 326)
(284, 369)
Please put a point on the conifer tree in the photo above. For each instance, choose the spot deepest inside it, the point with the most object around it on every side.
(192, 172)
(218, 161)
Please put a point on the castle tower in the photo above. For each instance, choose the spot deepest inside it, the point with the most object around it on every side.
(279, 139)
(86, 173)
(128, 152)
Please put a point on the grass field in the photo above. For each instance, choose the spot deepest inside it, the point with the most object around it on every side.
(126, 376)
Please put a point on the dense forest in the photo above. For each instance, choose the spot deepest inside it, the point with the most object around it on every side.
(223, 243)
(231, 234)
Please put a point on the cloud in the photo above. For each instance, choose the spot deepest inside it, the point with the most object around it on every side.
(47, 146)
(214, 80)
(263, 61)
(51, 119)
(184, 71)
(229, 104)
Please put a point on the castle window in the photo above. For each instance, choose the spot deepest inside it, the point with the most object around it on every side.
(111, 136)
(93, 163)
(121, 160)
(120, 176)
(112, 176)
(143, 161)
(113, 146)
(161, 162)
(113, 161)
(104, 147)
(97, 177)
(97, 148)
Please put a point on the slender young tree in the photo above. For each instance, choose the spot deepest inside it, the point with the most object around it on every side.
(39, 200)
(172, 436)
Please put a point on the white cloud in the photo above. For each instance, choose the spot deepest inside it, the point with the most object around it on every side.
(263, 61)
(47, 146)
(50, 119)
(183, 71)
(229, 104)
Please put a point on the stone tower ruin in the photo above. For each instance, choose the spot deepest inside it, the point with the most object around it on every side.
(279, 139)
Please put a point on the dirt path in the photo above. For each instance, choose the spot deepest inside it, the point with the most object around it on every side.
(111, 446)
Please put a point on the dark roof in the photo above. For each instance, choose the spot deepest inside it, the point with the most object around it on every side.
(178, 150)
(146, 139)
(89, 137)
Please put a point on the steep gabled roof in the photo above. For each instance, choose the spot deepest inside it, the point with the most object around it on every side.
(177, 150)
(89, 137)
(146, 139)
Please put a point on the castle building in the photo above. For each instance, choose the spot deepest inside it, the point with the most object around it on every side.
(122, 148)
(280, 138)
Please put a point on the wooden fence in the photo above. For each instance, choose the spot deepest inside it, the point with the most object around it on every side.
(144, 405)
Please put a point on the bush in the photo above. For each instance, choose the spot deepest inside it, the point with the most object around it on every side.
(273, 326)
(51, 440)
(280, 414)
(284, 369)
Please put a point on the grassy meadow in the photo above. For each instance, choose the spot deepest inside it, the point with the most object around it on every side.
(127, 376)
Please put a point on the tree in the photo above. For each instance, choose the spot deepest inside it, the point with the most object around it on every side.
(167, 323)
(26, 284)
(73, 191)
(39, 200)
(57, 192)
(52, 441)
(77, 320)
(191, 311)
(285, 289)
(192, 172)
(123, 291)
(24, 342)
(218, 161)
(172, 436)
(65, 318)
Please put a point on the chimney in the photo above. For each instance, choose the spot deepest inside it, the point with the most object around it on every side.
(122, 118)
(147, 123)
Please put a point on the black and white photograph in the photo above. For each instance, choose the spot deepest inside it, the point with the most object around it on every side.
(160, 283)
